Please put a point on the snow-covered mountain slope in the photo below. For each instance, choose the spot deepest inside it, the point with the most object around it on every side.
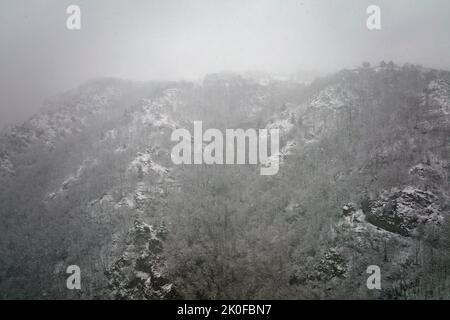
(91, 172)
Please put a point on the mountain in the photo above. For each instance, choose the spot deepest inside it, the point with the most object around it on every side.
(364, 180)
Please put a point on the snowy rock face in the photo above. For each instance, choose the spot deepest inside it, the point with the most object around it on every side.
(155, 112)
(435, 106)
(63, 118)
(432, 173)
(316, 118)
(140, 273)
(6, 167)
(403, 211)
(331, 265)
(144, 164)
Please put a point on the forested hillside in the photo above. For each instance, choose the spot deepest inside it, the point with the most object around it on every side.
(363, 180)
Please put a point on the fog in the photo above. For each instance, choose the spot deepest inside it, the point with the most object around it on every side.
(180, 39)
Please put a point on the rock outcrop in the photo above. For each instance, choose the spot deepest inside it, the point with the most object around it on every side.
(403, 211)
(6, 167)
(140, 272)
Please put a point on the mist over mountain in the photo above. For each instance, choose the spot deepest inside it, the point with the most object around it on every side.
(184, 40)
(363, 180)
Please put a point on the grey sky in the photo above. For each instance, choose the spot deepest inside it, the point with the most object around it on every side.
(184, 39)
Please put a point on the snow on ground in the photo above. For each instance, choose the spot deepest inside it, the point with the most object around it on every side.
(6, 166)
(284, 125)
(438, 97)
(109, 135)
(120, 149)
(60, 121)
(145, 163)
(155, 111)
(331, 97)
(67, 183)
(127, 201)
(279, 158)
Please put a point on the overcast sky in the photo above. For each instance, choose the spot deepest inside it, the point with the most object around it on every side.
(184, 39)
